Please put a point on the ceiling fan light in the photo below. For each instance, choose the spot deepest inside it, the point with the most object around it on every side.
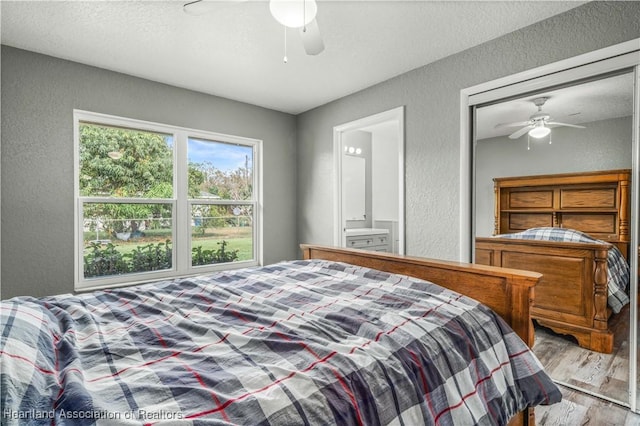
(539, 131)
(293, 13)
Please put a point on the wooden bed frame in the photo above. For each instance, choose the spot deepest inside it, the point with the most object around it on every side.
(508, 292)
(571, 297)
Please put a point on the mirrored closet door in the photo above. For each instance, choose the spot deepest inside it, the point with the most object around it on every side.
(547, 163)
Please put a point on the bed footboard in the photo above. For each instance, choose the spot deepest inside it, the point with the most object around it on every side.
(571, 297)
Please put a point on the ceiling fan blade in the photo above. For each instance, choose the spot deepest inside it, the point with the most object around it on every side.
(198, 7)
(518, 124)
(555, 123)
(202, 7)
(311, 38)
(518, 133)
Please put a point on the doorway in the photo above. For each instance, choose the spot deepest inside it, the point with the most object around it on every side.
(369, 176)
(620, 63)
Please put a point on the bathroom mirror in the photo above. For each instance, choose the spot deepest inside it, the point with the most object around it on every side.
(354, 184)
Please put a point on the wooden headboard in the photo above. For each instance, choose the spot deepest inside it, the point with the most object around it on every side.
(597, 203)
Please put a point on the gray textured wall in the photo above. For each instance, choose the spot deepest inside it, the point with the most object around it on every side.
(39, 94)
(431, 95)
(603, 145)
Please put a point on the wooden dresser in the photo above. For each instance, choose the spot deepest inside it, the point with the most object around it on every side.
(596, 203)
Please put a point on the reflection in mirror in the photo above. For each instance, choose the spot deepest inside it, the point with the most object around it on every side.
(354, 184)
(573, 130)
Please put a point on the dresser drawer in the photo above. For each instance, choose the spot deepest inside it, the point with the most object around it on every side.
(369, 242)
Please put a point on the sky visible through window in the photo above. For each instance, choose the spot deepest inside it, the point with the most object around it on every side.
(223, 156)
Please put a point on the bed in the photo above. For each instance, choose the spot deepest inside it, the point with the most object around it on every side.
(574, 229)
(342, 336)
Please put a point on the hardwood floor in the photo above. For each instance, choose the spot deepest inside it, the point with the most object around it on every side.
(604, 374)
(580, 409)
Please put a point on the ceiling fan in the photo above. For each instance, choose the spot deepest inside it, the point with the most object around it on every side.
(538, 124)
(300, 14)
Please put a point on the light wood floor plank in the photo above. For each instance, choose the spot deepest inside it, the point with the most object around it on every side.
(577, 408)
(605, 374)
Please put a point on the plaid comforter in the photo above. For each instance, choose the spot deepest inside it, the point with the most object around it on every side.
(302, 342)
(618, 279)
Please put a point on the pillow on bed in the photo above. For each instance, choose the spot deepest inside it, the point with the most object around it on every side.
(618, 267)
(553, 234)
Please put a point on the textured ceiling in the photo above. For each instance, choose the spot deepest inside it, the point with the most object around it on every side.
(236, 51)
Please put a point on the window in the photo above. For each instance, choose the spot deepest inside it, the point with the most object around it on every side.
(155, 201)
(222, 212)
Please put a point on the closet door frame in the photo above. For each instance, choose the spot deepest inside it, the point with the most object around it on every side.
(599, 62)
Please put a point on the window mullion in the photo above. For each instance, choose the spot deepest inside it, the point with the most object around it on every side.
(256, 197)
(182, 240)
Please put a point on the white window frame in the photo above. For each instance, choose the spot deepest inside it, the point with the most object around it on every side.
(181, 204)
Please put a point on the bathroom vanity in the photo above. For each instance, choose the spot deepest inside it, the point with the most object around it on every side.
(368, 239)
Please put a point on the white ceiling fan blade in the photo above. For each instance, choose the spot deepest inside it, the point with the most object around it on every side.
(555, 123)
(203, 7)
(311, 38)
(519, 133)
(198, 7)
(518, 124)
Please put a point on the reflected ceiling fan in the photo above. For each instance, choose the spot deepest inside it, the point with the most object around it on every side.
(299, 14)
(538, 124)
